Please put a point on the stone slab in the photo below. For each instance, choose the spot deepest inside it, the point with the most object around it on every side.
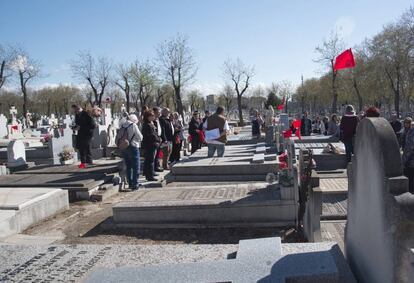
(101, 167)
(224, 166)
(30, 205)
(334, 206)
(84, 182)
(18, 198)
(333, 185)
(227, 206)
(216, 178)
(258, 158)
(77, 263)
(258, 260)
(334, 231)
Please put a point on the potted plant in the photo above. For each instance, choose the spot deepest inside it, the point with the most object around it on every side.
(67, 155)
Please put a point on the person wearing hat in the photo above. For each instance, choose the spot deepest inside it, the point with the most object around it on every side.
(131, 154)
(86, 126)
(193, 131)
(348, 126)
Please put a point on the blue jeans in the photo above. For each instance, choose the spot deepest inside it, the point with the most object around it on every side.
(132, 161)
(212, 147)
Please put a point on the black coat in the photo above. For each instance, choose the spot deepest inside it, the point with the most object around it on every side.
(150, 136)
(193, 127)
(166, 129)
(86, 125)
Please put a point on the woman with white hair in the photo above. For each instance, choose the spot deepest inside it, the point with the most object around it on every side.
(132, 139)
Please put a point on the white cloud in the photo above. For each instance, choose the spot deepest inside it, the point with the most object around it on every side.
(345, 26)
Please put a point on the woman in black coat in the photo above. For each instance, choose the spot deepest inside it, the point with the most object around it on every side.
(193, 131)
(150, 143)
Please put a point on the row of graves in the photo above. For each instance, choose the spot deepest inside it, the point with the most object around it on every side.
(276, 182)
(40, 175)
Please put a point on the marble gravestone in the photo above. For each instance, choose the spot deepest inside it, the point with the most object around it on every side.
(3, 126)
(16, 154)
(257, 260)
(380, 228)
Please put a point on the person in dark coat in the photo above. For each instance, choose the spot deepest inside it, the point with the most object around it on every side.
(150, 144)
(408, 159)
(158, 130)
(348, 126)
(396, 125)
(193, 131)
(407, 127)
(178, 138)
(86, 126)
(167, 136)
(306, 125)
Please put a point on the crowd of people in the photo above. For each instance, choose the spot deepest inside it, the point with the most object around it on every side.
(345, 129)
(157, 133)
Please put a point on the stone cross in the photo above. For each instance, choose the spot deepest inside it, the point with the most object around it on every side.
(67, 121)
(13, 113)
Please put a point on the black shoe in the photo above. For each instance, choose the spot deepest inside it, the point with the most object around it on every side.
(134, 188)
(149, 179)
(159, 170)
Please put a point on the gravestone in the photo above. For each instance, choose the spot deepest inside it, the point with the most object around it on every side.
(380, 227)
(257, 260)
(269, 136)
(67, 122)
(15, 128)
(16, 154)
(3, 126)
(53, 121)
(284, 121)
(232, 205)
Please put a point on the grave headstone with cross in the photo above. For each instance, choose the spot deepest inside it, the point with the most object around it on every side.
(15, 128)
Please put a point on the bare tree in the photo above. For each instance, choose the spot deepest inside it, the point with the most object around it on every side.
(144, 80)
(176, 61)
(27, 70)
(227, 95)
(240, 75)
(195, 99)
(96, 72)
(7, 55)
(331, 48)
(124, 77)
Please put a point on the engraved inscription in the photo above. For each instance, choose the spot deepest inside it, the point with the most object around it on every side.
(55, 265)
(219, 193)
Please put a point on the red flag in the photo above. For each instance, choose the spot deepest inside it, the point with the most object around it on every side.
(281, 106)
(344, 60)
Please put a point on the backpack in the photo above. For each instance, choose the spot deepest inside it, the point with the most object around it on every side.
(122, 141)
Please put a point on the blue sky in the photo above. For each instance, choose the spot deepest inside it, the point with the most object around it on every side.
(277, 37)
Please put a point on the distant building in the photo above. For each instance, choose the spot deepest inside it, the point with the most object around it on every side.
(211, 102)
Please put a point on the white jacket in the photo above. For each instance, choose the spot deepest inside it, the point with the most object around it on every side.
(134, 134)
